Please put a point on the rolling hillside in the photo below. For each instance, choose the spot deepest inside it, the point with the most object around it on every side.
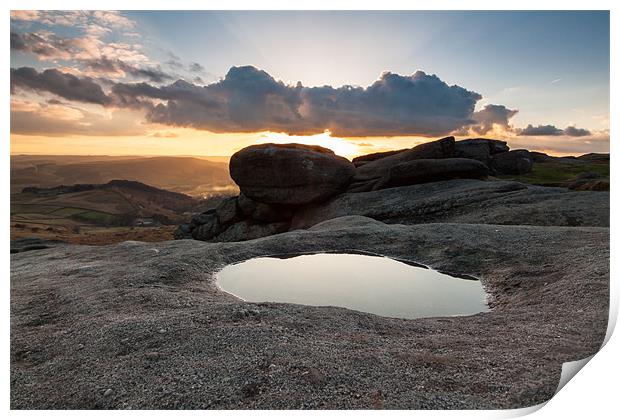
(189, 175)
(100, 213)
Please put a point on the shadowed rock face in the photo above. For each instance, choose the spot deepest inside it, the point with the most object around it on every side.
(515, 162)
(292, 174)
(429, 170)
(479, 149)
(439, 149)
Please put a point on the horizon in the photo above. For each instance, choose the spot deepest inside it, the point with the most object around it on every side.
(117, 83)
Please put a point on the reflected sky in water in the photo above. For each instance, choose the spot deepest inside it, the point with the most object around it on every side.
(365, 283)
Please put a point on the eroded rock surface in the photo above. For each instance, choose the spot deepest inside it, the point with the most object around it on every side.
(144, 326)
(466, 201)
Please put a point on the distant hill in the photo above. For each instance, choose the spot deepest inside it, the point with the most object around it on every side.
(118, 202)
(98, 214)
(190, 175)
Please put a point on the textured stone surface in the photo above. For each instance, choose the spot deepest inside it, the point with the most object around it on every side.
(228, 212)
(147, 321)
(289, 173)
(439, 149)
(515, 162)
(467, 201)
(249, 229)
(430, 170)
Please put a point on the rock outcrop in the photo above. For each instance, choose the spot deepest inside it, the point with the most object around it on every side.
(514, 162)
(292, 186)
(377, 169)
(479, 149)
(421, 171)
(292, 174)
(466, 201)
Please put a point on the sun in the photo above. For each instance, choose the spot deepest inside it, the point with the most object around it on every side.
(340, 146)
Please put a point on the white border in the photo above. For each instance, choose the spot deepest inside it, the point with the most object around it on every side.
(592, 394)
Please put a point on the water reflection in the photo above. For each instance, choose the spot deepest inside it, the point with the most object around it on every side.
(365, 283)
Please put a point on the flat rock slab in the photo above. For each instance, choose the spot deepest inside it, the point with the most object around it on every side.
(143, 325)
(466, 201)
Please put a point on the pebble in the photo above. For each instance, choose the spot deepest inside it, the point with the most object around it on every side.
(107, 392)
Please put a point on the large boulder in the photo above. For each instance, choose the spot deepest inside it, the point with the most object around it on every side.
(291, 174)
(515, 162)
(479, 149)
(364, 159)
(430, 170)
(439, 149)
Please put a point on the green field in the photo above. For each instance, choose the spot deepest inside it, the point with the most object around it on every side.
(558, 174)
(34, 212)
(95, 217)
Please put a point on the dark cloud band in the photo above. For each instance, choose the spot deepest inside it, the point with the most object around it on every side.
(65, 85)
(249, 100)
(551, 130)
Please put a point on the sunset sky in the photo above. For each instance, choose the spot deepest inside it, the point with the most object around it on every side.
(210, 83)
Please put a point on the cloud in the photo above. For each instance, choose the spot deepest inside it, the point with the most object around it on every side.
(164, 134)
(47, 46)
(53, 119)
(540, 130)
(576, 132)
(98, 59)
(67, 86)
(44, 45)
(196, 68)
(119, 68)
(250, 100)
(551, 130)
(75, 18)
(563, 145)
(492, 115)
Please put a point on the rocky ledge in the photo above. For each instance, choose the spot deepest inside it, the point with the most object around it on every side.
(292, 186)
(144, 325)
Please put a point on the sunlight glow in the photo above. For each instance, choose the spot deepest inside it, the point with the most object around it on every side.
(339, 145)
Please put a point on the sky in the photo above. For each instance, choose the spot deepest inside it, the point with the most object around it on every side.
(209, 83)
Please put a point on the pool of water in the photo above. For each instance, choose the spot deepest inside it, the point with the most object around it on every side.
(378, 285)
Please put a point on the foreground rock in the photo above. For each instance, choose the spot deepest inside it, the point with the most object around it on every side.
(292, 174)
(589, 181)
(466, 201)
(162, 335)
